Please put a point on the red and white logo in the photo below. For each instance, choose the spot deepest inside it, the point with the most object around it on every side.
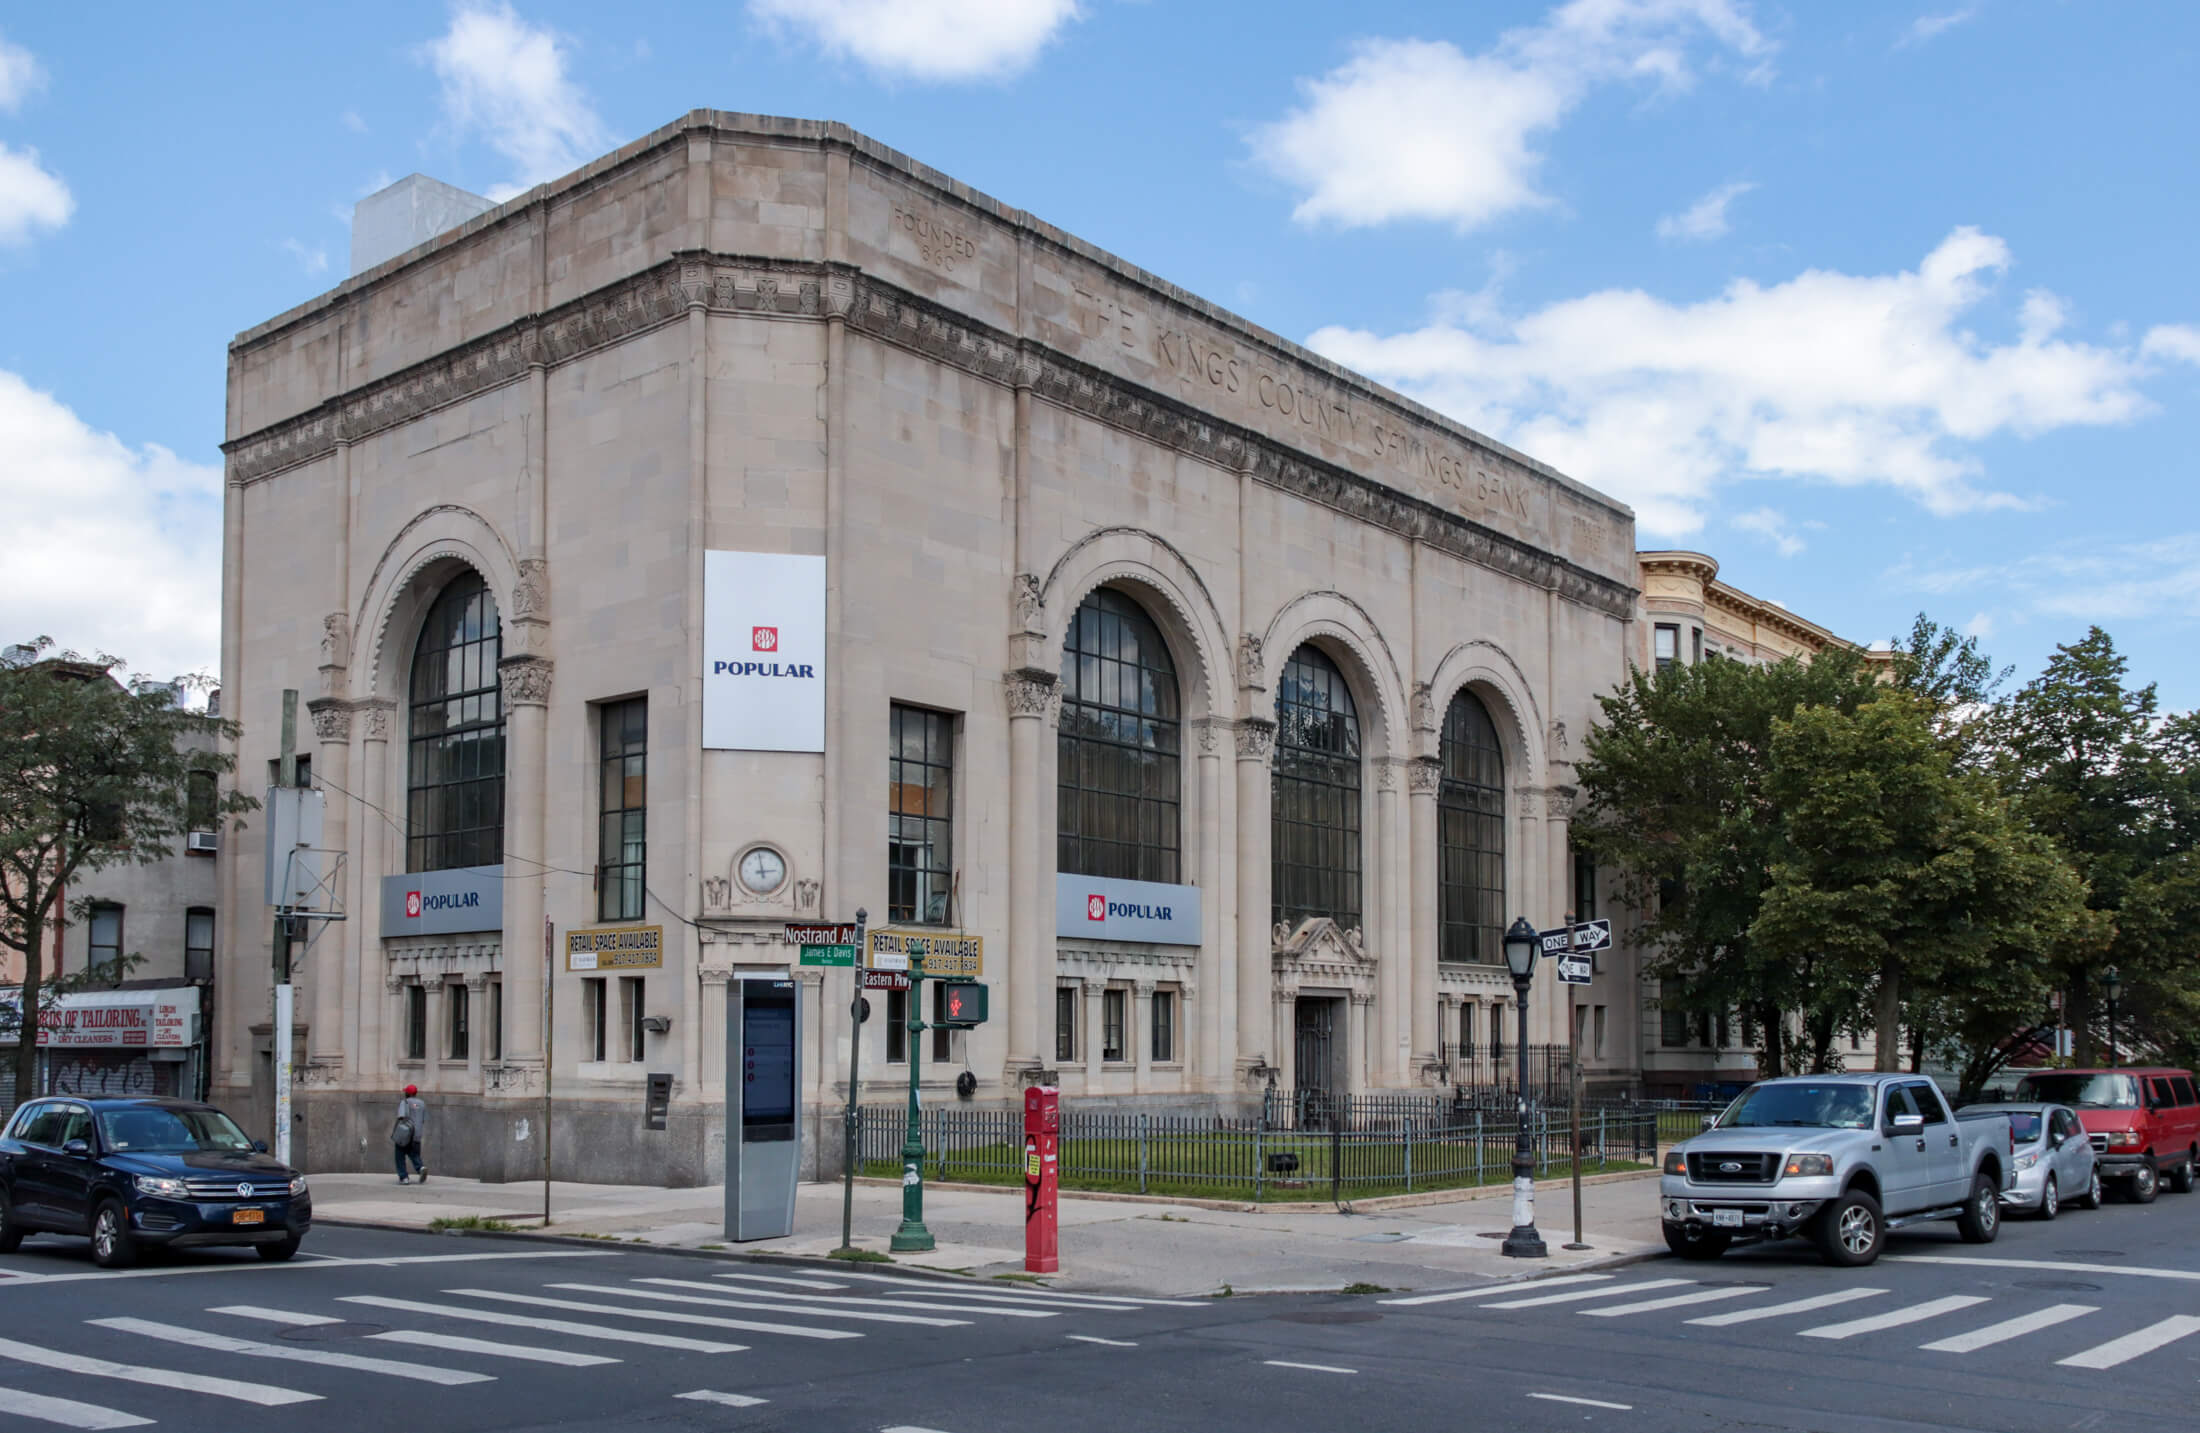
(764, 639)
(412, 905)
(1096, 908)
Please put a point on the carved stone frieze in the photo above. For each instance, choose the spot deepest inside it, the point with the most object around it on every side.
(525, 680)
(806, 894)
(1252, 672)
(531, 593)
(512, 1078)
(1031, 692)
(331, 719)
(1424, 707)
(717, 893)
(1031, 608)
(335, 640)
(1256, 739)
(377, 714)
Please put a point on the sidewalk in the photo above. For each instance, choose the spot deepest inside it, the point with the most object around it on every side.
(1157, 1248)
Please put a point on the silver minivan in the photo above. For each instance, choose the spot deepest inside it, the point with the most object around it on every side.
(2055, 1161)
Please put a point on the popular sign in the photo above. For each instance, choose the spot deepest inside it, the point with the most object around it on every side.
(1094, 908)
(455, 902)
(763, 652)
(615, 947)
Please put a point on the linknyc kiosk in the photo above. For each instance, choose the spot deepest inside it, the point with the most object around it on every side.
(763, 1108)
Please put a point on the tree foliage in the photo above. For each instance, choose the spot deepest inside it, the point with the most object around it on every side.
(92, 776)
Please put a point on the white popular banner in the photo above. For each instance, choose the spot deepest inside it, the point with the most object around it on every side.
(763, 651)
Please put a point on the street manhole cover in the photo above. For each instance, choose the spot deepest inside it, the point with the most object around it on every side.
(2059, 1286)
(318, 1333)
(1341, 1316)
(2092, 1253)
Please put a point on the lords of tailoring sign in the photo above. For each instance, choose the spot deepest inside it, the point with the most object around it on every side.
(763, 651)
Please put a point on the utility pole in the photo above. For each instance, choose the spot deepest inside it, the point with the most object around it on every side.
(912, 1237)
(286, 775)
(848, 1151)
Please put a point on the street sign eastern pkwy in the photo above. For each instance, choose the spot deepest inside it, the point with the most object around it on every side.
(1575, 969)
(885, 979)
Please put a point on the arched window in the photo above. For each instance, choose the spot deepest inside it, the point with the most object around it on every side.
(1470, 824)
(1316, 826)
(455, 768)
(1118, 769)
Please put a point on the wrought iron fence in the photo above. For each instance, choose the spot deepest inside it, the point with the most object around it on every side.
(1364, 1145)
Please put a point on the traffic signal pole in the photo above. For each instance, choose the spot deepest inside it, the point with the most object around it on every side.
(848, 1132)
(912, 1237)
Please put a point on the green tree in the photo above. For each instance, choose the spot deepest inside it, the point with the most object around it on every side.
(92, 776)
(1676, 803)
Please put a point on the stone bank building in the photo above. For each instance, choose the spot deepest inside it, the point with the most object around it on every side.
(1225, 696)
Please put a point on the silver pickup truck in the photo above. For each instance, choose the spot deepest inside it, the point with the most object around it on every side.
(1840, 1158)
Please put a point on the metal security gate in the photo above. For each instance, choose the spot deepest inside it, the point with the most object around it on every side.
(1315, 1056)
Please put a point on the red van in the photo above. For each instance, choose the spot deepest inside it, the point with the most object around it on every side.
(2144, 1123)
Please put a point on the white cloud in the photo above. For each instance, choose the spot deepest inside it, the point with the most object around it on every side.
(1840, 378)
(506, 80)
(935, 40)
(1419, 129)
(112, 548)
(20, 75)
(352, 121)
(313, 260)
(2172, 340)
(1706, 218)
(30, 196)
(1928, 27)
(1772, 526)
(2089, 580)
(1980, 626)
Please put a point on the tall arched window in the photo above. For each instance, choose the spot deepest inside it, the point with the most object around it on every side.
(1118, 768)
(1470, 823)
(1316, 827)
(455, 770)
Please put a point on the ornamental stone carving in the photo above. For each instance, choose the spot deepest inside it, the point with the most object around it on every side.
(1528, 802)
(526, 681)
(1031, 692)
(1557, 742)
(1424, 707)
(335, 640)
(1256, 739)
(1031, 608)
(531, 593)
(378, 719)
(717, 893)
(331, 719)
(806, 894)
(1251, 669)
(1425, 774)
(1561, 799)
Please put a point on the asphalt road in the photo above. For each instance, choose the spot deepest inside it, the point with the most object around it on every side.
(2090, 1322)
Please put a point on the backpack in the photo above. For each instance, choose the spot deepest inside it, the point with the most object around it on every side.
(402, 1134)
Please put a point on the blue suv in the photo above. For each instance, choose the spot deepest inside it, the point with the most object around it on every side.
(133, 1172)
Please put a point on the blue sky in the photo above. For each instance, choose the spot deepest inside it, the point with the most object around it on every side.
(1888, 307)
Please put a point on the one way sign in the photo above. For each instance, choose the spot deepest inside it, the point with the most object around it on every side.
(1575, 969)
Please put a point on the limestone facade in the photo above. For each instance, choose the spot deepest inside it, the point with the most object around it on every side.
(741, 333)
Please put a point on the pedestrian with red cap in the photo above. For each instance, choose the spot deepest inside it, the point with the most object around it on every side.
(406, 1133)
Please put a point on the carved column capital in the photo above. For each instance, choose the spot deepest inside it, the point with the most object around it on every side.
(526, 681)
(331, 719)
(1256, 739)
(1528, 802)
(1031, 692)
(1561, 800)
(377, 714)
(1425, 775)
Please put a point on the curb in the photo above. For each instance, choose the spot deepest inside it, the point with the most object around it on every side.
(1376, 1204)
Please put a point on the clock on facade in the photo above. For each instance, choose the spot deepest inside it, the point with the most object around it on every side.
(763, 870)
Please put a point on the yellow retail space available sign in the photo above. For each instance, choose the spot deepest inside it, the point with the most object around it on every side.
(615, 947)
(930, 953)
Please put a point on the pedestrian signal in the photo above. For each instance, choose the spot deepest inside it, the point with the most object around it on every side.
(962, 1003)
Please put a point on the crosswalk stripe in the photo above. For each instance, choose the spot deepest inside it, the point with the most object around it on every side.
(2131, 1345)
(930, 1295)
(66, 1411)
(2011, 1328)
(866, 1315)
(1895, 1318)
(841, 1300)
(661, 1316)
(1575, 1295)
(605, 1332)
(1793, 1306)
(730, 1400)
(489, 1349)
(274, 1316)
(326, 1358)
(1673, 1301)
(928, 1286)
(1451, 1294)
(790, 1283)
(265, 1395)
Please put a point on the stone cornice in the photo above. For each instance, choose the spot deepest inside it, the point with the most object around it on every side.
(773, 288)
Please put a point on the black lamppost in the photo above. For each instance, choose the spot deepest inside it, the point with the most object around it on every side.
(2115, 983)
(1521, 946)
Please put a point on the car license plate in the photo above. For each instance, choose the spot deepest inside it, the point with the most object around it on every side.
(1726, 1218)
(259, 1216)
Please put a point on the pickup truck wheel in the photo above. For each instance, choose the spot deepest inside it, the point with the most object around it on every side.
(1850, 1230)
(2050, 1200)
(1981, 1217)
(2094, 1197)
(11, 1233)
(2145, 1183)
(2181, 1179)
(1696, 1243)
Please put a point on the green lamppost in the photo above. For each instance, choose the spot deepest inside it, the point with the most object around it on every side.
(912, 1237)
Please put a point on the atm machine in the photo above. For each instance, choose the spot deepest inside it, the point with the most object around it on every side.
(763, 1105)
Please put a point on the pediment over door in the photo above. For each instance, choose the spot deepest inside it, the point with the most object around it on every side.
(1321, 952)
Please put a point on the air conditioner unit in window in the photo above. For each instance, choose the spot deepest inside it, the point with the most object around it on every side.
(207, 842)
